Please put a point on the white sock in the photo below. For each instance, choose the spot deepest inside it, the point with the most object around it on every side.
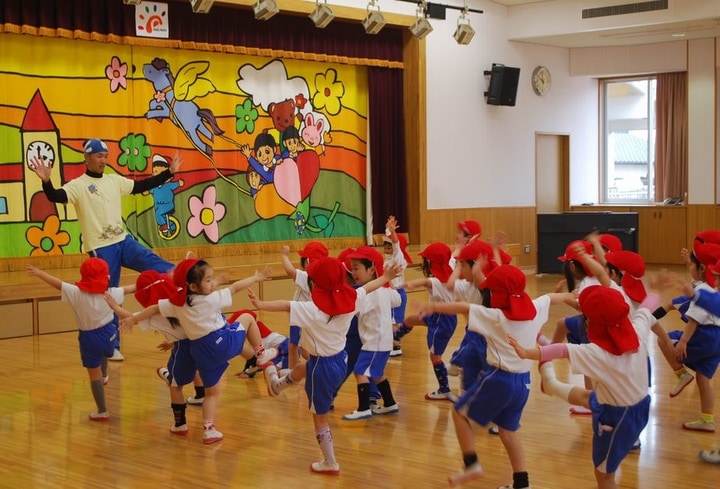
(283, 383)
(325, 440)
(551, 385)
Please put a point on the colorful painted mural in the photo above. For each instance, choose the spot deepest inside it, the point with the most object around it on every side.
(272, 149)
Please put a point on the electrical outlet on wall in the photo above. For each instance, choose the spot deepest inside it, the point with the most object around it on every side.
(527, 249)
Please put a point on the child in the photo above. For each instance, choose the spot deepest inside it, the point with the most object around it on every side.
(375, 328)
(270, 339)
(312, 251)
(440, 327)
(325, 320)
(394, 248)
(616, 359)
(500, 393)
(265, 158)
(292, 142)
(94, 319)
(198, 306)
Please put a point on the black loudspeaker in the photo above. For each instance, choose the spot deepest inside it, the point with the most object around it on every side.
(503, 85)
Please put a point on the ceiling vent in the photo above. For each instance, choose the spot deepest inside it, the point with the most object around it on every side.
(628, 8)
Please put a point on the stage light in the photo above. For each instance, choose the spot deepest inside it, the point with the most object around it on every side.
(132, 2)
(421, 27)
(374, 21)
(322, 15)
(264, 9)
(201, 6)
(464, 32)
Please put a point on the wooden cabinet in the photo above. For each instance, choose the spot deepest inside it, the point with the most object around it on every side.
(662, 233)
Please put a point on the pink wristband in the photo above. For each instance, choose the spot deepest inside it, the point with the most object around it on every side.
(551, 352)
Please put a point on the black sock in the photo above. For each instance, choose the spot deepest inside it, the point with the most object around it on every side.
(520, 480)
(199, 391)
(386, 393)
(470, 459)
(179, 413)
(442, 377)
(401, 331)
(363, 391)
(250, 363)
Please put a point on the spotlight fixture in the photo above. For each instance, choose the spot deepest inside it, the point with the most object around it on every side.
(201, 6)
(464, 32)
(421, 27)
(374, 21)
(322, 15)
(132, 2)
(264, 9)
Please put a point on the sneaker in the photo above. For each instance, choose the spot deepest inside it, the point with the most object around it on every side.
(106, 380)
(117, 356)
(468, 474)
(251, 371)
(325, 468)
(356, 415)
(710, 456)
(700, 425)
(99, 416)
(683, 380)
(396, 351)
(580, 411)
(271, 377)
(164, 374)
(441, 396)
(454, 370)
(636, 445)
(211, 435)
(179, 430)
(268, 355)
(394, 409)
(493, 430)
(195, 401)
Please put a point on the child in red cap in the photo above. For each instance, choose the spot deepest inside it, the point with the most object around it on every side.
(394, 248)
(499, 394)
(312, 251)
(325, 320)
(440, 327)
(95, 321)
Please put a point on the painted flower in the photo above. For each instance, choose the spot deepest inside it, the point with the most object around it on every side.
(49, 239)
(159, 96)
(300, 101)
(299, 222)
(205, 215)
(135, 152)
(116, 72)
(246, 116)
(329, 92)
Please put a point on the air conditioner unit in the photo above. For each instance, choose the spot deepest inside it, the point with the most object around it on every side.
(132, 2)
(421, 28)
(201, 6)
(374, 22)
(264, 9)
(322, 16)
(464, 34)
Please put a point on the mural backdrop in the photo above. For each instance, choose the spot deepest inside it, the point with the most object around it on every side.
(272, 149)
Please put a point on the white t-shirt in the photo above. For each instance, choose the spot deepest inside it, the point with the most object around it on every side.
(700, 315)
(97, 204)
(203, 317)
(323, 335)
(375, 319)
(466, 292)
(495, 327)
(397, 258)
(302, 289)
(91, 310)
(621, 380)
(438, 291)
(162, 324)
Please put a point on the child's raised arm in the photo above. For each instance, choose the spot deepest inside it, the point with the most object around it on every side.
(388, 274)
(133, 319)
(272, 306)
(287, 264)
(444, 308)
(391, 226)
(593, 266)
(117, 308)
(44, 276)
(421, 283)
(259, 276)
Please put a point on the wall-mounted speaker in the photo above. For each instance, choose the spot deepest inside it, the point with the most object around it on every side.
(503, 85)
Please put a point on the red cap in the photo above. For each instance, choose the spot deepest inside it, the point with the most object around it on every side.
(369, 253)
(707, 254)
(610, 242)
(708, 236)
(402, 240)
(609, 326)
(474, 250)
(95, 276)
(330, 293)
(438, 254)
(344, 258)
(180, 279)
(314, 250)
(151, 286)
(470, 228)
(632, 267)
(507, 293)
(571, 254)
(714, 268)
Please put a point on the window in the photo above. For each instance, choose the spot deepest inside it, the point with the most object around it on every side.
(628, 140)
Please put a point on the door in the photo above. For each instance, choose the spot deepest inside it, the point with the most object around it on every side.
(552, 157)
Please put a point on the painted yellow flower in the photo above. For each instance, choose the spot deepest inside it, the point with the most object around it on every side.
(329, 92)
(47, 240)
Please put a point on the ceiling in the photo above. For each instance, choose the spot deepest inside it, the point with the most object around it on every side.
(698, 28)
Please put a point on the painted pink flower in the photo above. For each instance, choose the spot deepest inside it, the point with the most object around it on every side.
(205, 215)
(116, 72)
(159, 96)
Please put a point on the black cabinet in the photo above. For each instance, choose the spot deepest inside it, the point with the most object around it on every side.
(556, 231)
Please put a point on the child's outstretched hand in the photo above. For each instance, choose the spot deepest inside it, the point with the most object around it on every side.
(424, 309)
(263, 274)
(521, 352)
(165, 346)
(32, 270)
(285, 250)
(126, 324)
(111, 301)
(253, 298)
(392, 271)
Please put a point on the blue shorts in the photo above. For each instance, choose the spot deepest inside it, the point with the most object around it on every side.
(371, 364)
(180, 364)
(324, 377)
(398, 313)
(353, 345)
(577, 330)
(703, 349)
(440, 329)
(498, 397)
(472, 357)
(97, 344)
(283, 354)
(295, 335)
(616, 428)
(212, 352)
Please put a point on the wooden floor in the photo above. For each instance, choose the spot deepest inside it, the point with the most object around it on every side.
(47, 441)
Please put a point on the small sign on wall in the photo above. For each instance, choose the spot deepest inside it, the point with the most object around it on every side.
(151, 20)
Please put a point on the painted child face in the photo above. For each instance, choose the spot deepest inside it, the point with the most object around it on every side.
(254, 179)
(156, 170)
(293, 145)
(265, 155)
(206, 284)
(361, 274)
